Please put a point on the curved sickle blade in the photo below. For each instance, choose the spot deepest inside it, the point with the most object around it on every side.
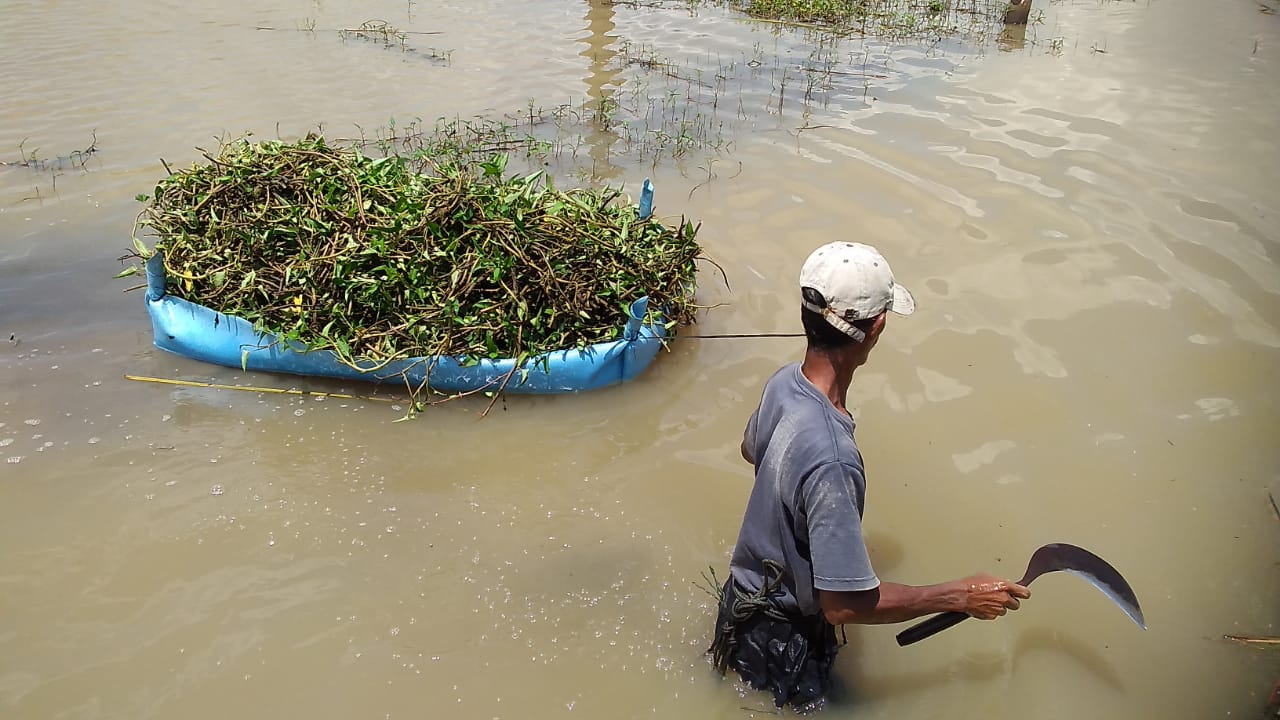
(1062, 557)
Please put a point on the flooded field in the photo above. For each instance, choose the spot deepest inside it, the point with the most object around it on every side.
(1085, 209)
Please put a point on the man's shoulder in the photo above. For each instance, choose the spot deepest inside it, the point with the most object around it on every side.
(839, 467)
(828, 445)
(791, 401)
(783, 376)
(783, 387)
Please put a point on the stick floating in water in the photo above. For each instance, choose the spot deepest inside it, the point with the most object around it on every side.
(253, 388)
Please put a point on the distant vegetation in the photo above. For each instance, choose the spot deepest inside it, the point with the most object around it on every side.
(890, 19)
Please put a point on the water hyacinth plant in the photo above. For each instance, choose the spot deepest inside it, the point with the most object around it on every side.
(380, 258)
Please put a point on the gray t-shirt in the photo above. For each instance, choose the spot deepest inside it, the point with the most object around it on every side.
(805, 510)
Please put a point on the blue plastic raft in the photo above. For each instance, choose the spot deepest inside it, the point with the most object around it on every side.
(197, 332)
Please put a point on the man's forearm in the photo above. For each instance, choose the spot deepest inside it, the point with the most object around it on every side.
(891, 603)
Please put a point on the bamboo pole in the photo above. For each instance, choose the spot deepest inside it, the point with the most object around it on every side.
(1254, 640)
(253, 388)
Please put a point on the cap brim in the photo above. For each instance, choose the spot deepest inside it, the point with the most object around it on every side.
(903, 302)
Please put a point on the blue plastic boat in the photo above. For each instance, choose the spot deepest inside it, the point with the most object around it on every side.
(200, 333)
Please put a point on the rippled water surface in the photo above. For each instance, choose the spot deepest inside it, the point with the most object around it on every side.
(1086, 210)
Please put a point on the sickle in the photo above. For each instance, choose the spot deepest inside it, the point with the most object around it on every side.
(1054, 557)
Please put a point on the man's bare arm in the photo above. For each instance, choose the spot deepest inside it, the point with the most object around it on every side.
(746, 454)
(981, 596)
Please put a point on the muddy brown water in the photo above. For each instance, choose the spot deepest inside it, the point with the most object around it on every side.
(1086, 210)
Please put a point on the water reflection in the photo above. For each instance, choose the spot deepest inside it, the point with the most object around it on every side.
(601, 81)
(1012, 37)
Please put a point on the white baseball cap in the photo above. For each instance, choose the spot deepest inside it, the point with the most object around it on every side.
(856, 283)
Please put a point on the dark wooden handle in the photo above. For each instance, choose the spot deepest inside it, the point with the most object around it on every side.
(932, 626)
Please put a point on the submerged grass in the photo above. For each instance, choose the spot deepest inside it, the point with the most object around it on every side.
(390, 36)
(407, 255)
(33, 160)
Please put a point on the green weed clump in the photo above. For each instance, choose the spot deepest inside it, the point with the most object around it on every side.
(886, 19)
(381, 258)
(815, 11)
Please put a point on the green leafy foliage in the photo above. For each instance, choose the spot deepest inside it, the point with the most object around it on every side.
(888, 19)
(375, 259)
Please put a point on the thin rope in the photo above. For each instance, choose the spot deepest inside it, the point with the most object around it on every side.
(740, 335)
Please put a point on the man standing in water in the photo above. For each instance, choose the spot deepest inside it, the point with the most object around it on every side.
(800, 565)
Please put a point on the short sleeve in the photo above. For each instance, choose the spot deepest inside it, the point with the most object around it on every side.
(839, 554)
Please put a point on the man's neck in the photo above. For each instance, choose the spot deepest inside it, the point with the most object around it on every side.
(831, 374)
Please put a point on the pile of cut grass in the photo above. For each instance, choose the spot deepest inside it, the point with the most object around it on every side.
(377, 260)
